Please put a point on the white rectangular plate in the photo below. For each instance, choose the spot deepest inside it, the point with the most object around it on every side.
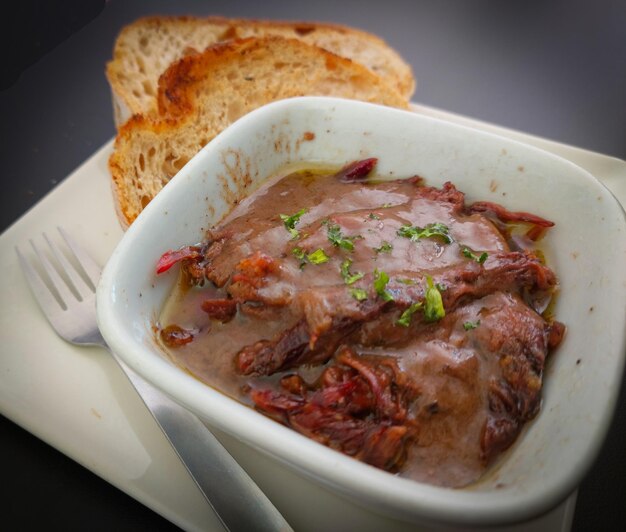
(77, 399)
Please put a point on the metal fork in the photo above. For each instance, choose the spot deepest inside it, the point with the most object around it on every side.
(236, 499)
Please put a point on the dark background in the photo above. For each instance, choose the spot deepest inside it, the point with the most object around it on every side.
(556, 69)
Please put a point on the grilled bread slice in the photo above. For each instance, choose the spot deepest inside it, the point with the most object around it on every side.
(144, 49)
(202, 94)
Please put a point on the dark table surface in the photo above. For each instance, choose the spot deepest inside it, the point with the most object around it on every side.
(556, 69)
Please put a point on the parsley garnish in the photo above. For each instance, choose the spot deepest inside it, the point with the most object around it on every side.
(469, 325)
(291, 221)
(349, 278)
(467, 252)
(317, 257)
(380, 283)
(336, 238)
(358, 293)
(373, 216)
(406, 281)
(405, 317)
(385, 247)
(433, 309)
(300, 254)
(432, 230)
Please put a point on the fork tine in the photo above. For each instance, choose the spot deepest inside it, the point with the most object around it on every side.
(75, 279)
(57, 281)
(91, 268)
(40, 290)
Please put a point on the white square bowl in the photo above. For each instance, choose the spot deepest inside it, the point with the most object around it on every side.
(586, 248)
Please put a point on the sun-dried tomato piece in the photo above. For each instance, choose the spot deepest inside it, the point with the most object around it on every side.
(175, 336)
(169, 258)
(254, 268)
(356, 171)
(222, 310)
(508, 216)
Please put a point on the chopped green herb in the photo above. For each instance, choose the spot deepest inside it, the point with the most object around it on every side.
(406, 281)
(291, 221)
(373, 216)
(348, 277)
(432, 230)
(467, 252)
(433, 309)
(336, 238)
(298, 253)
(385, 247)
(387, 205)
(469, 325)
(380, 283)
(317, 257)
(358, 293)
(405, 317)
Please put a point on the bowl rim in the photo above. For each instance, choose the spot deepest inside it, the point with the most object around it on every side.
(396, 495)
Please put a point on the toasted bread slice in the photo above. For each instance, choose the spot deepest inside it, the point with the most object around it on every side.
(143, 51)
(202, 94)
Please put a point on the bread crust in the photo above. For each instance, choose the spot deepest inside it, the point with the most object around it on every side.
(197, 95)
(145, 48)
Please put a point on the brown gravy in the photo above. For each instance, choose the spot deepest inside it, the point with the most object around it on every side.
(463, 384)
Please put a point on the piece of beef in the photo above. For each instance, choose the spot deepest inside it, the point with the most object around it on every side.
(222, 310)
(461, 396)
(395, 203)
(359, 406)
(330, 314)
(448, 193)
(519, 340)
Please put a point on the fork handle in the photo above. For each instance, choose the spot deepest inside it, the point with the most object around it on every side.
(236, 499)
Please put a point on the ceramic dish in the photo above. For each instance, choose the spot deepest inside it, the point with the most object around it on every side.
(587, 249)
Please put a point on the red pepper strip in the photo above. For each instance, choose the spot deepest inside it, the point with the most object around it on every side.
(356, 171)
(509, 216)
(535, 232)
(169, 258)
